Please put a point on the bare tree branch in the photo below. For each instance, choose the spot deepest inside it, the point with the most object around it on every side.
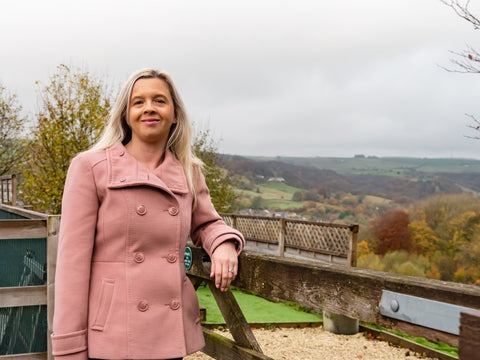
(463, 11)
(475, 126)
(466, 61)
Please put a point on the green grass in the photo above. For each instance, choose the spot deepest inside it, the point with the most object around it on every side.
(255, 309)
(439, 346)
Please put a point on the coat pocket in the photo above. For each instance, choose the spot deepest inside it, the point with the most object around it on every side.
(104, 304)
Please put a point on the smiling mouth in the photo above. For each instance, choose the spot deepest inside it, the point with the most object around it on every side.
(150, 121)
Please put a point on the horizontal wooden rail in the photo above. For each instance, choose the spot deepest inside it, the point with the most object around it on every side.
(23, 229)
(23, 296)
(27, 214)
(225, 349)
(352, 292)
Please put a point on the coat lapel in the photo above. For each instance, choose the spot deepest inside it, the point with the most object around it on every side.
(125, 171)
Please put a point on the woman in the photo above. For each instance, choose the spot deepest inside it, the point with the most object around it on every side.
(128, 207)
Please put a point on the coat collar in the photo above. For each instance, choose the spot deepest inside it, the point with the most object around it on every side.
(125, 171)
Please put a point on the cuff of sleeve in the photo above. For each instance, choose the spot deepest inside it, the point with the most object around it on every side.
(69, 344)
(227, 237)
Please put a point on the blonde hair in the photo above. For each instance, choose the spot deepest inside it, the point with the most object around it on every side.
(179, 139)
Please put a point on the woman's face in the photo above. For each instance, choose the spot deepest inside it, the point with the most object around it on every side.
(152, 112)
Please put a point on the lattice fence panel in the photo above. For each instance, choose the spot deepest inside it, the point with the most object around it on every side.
(228, 220)
(316, 236)
(259, 228)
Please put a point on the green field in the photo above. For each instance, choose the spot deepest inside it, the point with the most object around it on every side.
(275, 195)
(391, 166)
(255, 309)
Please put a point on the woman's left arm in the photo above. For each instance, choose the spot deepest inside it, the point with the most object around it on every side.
(219, 240)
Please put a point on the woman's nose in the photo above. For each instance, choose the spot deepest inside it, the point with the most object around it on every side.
(148, 106)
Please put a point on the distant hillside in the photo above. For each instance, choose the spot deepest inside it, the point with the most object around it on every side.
(397, 179)
(391, 166)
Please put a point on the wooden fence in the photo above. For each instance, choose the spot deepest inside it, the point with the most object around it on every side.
(349, 291)
(8, 189)
(331, 243)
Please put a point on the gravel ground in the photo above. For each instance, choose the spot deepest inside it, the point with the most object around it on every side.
(317, 344)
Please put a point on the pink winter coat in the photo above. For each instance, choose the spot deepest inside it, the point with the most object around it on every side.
(121, 291)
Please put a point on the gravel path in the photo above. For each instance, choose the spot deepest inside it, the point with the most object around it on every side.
(317, 344)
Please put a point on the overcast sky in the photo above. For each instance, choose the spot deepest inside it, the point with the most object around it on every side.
(291, 78)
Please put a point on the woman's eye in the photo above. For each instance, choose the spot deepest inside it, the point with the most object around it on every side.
(160, 101)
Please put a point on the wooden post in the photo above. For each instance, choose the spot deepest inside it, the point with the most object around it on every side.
(234, 221)
(352, 246)
(281, 237)
(1, 182)
(469, 342)
(337, 323)
(233, 315)
(53, 225)
(14, 190)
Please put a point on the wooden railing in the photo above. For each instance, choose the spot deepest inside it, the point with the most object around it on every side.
(24, 224)
(327, 242)
(345, 290)
(8, 189)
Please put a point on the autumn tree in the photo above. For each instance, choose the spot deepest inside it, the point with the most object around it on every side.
(219, 180)
(74, 106)
(392, 232)
(11, 125)
(447, 229)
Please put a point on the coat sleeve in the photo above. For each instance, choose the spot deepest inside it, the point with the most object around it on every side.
(208, 228)
(72, 276)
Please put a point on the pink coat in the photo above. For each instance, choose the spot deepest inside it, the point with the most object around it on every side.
(121, 291)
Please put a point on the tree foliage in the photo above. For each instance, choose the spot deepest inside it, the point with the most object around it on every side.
(219, 180)
(11, 125)
(392, 232)
(73, 109)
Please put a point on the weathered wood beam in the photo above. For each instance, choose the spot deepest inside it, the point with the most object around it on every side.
(219, 347)
(23, 296)
(23, 229)
(53, 227)
(469, 335)
(352, 292)
(29, 214)
(234, 318)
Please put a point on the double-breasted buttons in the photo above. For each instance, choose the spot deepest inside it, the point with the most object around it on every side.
(174, 304)
(171, 258)
(139, 257)
(141, 210)
(173, 211)
(142, 305)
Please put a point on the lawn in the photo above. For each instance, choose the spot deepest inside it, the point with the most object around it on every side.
(255, 309)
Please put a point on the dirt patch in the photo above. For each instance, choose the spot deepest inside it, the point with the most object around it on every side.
(317, 344)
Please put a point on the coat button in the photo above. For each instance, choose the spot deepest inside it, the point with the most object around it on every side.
(173, 211)
(171, 258)
(139, 257)
(174, 304)
(123, 179)
(142, 305)
(141, 210)
(121, 153)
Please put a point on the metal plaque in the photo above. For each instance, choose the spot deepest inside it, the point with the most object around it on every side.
(420, 311)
